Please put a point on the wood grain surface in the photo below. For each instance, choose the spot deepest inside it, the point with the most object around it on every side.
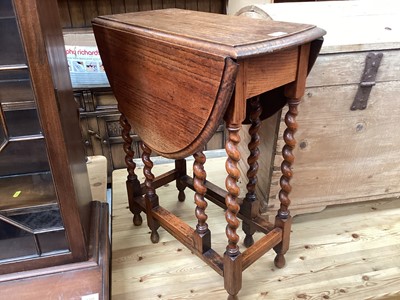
(326, 173)
(345, 252)
(218, 34)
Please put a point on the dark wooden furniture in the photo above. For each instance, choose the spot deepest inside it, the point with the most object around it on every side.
(49, 227)
(175, 75)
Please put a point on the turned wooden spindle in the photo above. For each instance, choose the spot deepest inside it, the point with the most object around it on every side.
(250, 206)
(200, 188)
(283, 218)
(132, 182)
(287, 153)
(151, 197)
(203, 238)
(233, 259)
(231, 202)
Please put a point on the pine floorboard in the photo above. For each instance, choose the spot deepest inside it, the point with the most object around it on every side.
(346, 251)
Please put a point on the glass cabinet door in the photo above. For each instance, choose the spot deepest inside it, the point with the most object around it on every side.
(30, 220)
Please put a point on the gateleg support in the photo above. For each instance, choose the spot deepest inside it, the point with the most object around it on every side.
(132, 183)
(151, 198)
(180, 168)
(251, 205)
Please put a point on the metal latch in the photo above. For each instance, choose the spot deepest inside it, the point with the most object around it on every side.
(372, 63)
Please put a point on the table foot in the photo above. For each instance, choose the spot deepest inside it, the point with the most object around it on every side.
(181, 196)
(154, 237)
(280, 261)
(137, 219)
(248, 240)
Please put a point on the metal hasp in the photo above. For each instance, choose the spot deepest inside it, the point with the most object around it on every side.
(372, 63)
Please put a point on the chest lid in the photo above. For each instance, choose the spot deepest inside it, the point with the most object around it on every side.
(350, 25)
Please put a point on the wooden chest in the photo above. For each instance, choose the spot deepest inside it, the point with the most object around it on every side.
(343, 154)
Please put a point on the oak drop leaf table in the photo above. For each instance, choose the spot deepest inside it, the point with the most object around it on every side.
(176, 74)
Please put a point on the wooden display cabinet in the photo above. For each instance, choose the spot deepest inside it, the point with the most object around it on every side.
(50, 229)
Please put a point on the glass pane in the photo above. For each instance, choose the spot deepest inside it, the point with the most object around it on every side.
(53, 241)
(22, 122)
(15, 243)
(20, 157)
(30, 220)
(6, 9)
(3, 130)
(17, 102)
(15, 86)
(39, 219)
(11, 48)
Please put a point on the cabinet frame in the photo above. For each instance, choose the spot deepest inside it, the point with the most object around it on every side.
(42, 39)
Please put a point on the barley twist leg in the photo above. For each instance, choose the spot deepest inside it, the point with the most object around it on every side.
(250, 206)
(200, 188)
(283, 218)
(202, 238)
(151, 197)
(233, 259)
(231, 200)
(132, 182)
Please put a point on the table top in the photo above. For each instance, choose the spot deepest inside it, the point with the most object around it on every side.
(173, 72)
(233, 36)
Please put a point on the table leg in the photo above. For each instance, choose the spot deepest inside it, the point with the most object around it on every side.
(180, 167)
(151, 198)
(250, 206)
(283, 218)
(132, 182)
(232, 256)
(203, 241)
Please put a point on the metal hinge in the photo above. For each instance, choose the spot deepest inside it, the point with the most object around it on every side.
(372, 63)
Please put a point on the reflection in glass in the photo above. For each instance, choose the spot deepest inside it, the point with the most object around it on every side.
(30, 220)
(3, 130)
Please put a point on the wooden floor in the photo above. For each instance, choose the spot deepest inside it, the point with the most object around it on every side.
(344, 252)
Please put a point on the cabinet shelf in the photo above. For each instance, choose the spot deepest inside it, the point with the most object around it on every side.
(26, 190)
(13, 67)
